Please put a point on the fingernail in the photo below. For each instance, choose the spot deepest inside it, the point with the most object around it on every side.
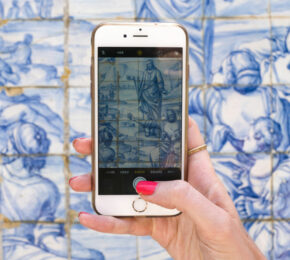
(77, 139)
(69, 181)
(146, 187)
(83, 213)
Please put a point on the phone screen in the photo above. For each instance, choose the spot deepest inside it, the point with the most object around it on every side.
(139, 117)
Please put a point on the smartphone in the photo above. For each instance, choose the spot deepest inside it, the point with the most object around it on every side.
(139, 78)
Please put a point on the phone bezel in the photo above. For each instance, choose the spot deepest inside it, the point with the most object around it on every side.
(111, 35)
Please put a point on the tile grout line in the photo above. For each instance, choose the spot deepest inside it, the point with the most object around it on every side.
(66, 133)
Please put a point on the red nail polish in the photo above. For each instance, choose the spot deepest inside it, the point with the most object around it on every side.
(75, 140)
(146, 187)
(72, 178)
(83, 213)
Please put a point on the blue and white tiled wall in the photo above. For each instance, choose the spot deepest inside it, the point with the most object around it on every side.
(239, 95)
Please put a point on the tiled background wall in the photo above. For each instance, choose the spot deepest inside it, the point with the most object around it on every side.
(239, 95)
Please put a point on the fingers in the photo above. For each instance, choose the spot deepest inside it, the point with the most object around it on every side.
(81, 183)
(106, 224)
(182, 196)
(83, 145)
(201, 174)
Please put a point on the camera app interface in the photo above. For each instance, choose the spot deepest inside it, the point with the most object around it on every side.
(139, 117)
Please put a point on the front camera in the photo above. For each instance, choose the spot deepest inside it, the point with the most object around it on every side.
(140, 29)
(125, 35)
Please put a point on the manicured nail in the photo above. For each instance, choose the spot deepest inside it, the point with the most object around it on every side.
(146, 187)
(77, 139)
(83, 213)
(69, 181)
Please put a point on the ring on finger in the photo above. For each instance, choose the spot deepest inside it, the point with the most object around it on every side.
(196, 149)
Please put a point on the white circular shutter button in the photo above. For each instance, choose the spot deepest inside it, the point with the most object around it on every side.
(139, 205)
(136, 180)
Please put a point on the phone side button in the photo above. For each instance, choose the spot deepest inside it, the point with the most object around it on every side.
(139, 205)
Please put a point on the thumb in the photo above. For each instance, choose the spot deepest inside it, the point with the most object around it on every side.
(185, 198)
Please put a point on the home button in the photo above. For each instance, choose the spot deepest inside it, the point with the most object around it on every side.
(139, 205)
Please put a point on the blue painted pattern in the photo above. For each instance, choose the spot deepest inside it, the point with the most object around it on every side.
(239, 91)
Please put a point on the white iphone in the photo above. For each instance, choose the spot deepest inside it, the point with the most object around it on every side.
(139, 113)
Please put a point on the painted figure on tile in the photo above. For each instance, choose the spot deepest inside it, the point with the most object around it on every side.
(226, 124)
(247, 176)
(22, 183)
(29, 9)
(150, 91)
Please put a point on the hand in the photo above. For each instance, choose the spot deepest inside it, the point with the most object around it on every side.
(209, 226)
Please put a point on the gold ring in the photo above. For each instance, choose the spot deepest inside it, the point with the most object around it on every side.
(196, 149)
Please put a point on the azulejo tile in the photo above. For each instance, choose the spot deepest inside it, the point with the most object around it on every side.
(196, 107)
(241, 7)
(31, 117)
(261, 232)
(240, 57)
(281, 184)
(80, 201)
(34, 241)
(91, 9)
(31, 53)
(281, 239)
(280, 7)
(280, 51)
(31, 9)
(33, 188)
(155, 9)
(151, 250)
(80, 52)
(235, 117)
(79, 113)
(280, 126)
(101, 246)
(247, 178)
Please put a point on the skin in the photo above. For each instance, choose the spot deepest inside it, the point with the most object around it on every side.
(209, 226)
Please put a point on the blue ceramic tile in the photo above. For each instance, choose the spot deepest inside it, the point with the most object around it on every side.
(248, 181)
(281, 110)
(32, 53)
(200, 45)
(128, 130)
(154, 9)
(79, 113)
(11, 9)
(80, 201)
(240, 56)
(236, 116)
(281, 240)
(262, 234)
(80, 52)
(281, 51)
(280, 7)
(281, 185)
(241, 7)
(31, 117)
(34, 241)
(149, 249)
(97, 246)
(196, 107)
(33, 188)
(91, 9)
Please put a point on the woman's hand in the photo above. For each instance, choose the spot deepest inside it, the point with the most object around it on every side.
(209, 226)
